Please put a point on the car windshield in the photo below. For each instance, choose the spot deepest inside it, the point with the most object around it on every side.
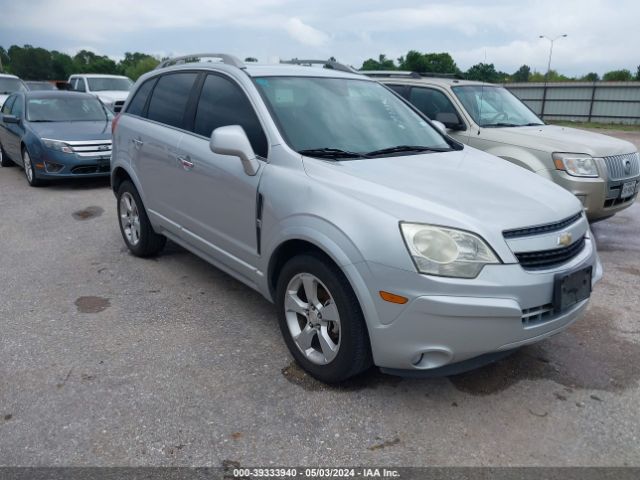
(41, 86)
(10, 85)
(491, 106)
(346, 118)
(104, 84)
(66, 109)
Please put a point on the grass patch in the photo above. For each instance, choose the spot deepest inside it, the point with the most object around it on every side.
(603, 126)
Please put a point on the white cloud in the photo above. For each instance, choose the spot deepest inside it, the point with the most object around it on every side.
(305, 34)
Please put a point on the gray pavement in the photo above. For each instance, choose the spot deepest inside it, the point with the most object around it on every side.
(106, 359)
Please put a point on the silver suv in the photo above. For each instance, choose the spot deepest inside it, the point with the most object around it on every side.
(380, 239)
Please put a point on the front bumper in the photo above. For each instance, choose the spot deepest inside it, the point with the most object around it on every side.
(451, 320)
(600, 198)
(52, 164)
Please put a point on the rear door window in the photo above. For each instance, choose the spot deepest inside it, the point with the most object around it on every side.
(139, 100)
(17, 109)
(6, 108)
(431, 102)
(222, 102)
(170, 97)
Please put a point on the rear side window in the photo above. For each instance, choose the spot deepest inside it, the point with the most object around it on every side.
(170, 97)
(139, 100)
(6, 108)
(223, 103)
(431, 102)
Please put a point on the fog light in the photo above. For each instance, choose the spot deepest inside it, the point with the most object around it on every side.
(52, 167)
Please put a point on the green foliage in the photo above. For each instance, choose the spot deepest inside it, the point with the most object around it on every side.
(30, 63)
(143, 66)
(4, 60)
(590, 77)
(522, 74)
(383, 63)
(428, 62)
(486, 72)
(623, 75)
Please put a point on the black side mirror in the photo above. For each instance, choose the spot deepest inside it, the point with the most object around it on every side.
(450, 120)
(10, 119)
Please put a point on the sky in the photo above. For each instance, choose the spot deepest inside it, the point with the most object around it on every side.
(601, 35)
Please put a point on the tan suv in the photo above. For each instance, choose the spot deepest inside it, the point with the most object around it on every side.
(602, 171)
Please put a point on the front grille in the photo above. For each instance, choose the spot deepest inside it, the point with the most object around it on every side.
(623, 166)
(546, 228)
(550, 258)
(92, 148)
(537, 315)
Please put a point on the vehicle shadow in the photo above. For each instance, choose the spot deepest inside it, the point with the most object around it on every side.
(78, 184)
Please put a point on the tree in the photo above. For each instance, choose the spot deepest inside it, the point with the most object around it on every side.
(590, 77)
(623, 75)
(522, 74)
(61, 65)
(428, 62)
(383, 63)
(251, 59)
(30, 63)
(484, 72)
(143, 66)
(4, 60)
(86, 61)
(638, 73)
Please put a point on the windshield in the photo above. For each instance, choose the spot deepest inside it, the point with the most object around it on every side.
(67, 109)
(104, 84)
(495, 106)
(10, 85)
(344, 117)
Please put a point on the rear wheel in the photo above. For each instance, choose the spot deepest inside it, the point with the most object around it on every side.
(321, 319)
(29, 170)
(4, 160)
(135, 227)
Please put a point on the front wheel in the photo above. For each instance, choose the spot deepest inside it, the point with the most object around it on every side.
(135, 227)
(321, 319)
(29, 170)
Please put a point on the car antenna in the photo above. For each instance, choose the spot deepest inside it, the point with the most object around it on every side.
(482, 92)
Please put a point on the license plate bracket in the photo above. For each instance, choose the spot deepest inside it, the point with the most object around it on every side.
(628, 189)
(572, 288)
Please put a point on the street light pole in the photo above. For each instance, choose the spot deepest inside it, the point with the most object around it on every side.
(551, 40)
(546, 76)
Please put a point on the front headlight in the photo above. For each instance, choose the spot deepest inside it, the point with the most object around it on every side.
(446, 252)
(575, 164)
(57, 145)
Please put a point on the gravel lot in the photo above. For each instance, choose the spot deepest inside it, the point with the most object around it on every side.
(107, 359)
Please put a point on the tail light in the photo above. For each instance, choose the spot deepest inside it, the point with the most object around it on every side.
(114, 123)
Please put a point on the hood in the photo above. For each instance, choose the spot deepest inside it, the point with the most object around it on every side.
(466, 189)
(554, 138)
(73, 131)
(109, 96)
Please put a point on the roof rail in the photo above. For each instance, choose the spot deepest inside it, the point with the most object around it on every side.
(197, 57)
(390, 73)
(327, 63)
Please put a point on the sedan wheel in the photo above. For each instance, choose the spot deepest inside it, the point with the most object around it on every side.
(4, 160)
(29, 170)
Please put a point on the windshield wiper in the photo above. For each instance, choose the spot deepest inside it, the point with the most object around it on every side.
(500, 124)
(533, 124)
(330, 153)
(406, 148)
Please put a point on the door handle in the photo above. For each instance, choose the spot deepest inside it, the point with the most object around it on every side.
(185, 161)
(137, 142)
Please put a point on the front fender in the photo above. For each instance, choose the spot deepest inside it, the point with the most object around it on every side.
(532, 161)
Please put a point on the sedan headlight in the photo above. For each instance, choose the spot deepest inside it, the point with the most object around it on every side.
(57, 145)
(576, 164)
(446, 252)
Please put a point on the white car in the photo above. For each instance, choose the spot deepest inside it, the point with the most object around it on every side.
(112, 90)
(10, 84)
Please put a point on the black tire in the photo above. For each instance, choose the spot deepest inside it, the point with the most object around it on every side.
(4, 160)
(149, 243)
(29, 170)
(354, 351)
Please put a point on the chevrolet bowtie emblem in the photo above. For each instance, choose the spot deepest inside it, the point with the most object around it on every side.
(565, 239)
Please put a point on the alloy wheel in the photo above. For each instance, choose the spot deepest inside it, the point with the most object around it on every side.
(130, 218)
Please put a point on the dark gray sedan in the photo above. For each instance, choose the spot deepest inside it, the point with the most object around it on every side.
(55, 135)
